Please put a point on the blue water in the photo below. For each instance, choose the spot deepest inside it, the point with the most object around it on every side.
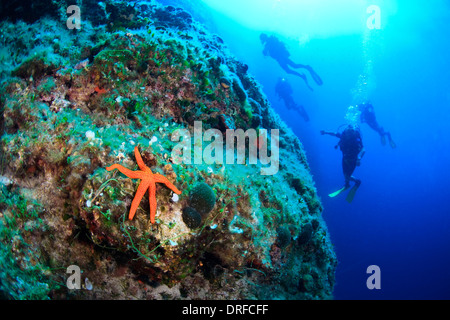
(399, 219)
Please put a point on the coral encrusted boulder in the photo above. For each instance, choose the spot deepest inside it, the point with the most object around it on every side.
(76, 102)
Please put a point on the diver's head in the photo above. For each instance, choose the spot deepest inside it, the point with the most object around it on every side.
(263, 37)
(350, 136)
(365, 104)
(352, 127)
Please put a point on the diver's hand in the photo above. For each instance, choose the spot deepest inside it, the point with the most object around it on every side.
(322, 132)
(358, 162)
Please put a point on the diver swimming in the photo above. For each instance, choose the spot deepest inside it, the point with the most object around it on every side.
(368, 116)
(284, 91)
(351, 145)
(276, 49)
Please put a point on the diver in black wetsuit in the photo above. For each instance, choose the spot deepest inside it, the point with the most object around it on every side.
(277, 50)
(284, 91)
(350, 143)
(368, 116)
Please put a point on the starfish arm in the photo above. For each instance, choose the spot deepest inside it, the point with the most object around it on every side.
(139, 160)
(138, 197)
(161, 179)
(129, 173)
(152, 200)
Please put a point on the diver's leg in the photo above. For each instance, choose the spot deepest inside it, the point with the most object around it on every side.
(347, 169)
(377, 128)
(303, 113)
(391, 142)
(347, 176)
(348, 166)
(290, 103)
(356, 181)
(296, 65)
(382, 135)
(313, 74)
(352, 192)
(306, 81)
(285, 67)
(347, 183)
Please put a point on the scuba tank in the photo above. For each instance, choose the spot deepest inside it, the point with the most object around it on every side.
(350, 140)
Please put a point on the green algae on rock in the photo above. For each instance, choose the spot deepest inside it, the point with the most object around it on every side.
(65, 119)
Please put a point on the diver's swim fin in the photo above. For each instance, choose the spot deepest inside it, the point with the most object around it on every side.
(392, 144)
(303, 113)
(336, 193)
(383, 140)
(352, 192)
(305, 116)
(315, 76)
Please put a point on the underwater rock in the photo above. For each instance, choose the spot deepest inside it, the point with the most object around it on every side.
(202, 198)
(225, 83)
(241, 69)
(34, 68)
(306, 234)
(315, 224)
(240, 92)
(226, 122)
(284, 236)
(257, 113)
(191, 217)
(27, 10)
(152, 73)
(171, 17)
(306, 283)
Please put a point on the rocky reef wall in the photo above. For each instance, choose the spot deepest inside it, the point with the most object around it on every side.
(74, 102)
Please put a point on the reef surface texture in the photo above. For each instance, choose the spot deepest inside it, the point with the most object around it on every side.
(74, 102)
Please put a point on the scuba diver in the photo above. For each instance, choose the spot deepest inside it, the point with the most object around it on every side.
(284, 91)
(350, 143)
(368, 116)
(277, 50)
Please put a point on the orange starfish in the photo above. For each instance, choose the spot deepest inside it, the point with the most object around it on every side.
(149, 180)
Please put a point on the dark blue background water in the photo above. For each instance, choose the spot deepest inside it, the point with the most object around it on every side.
(400, 218)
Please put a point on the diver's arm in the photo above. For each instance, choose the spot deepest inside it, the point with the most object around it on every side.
(360, 155)
(334, 134)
